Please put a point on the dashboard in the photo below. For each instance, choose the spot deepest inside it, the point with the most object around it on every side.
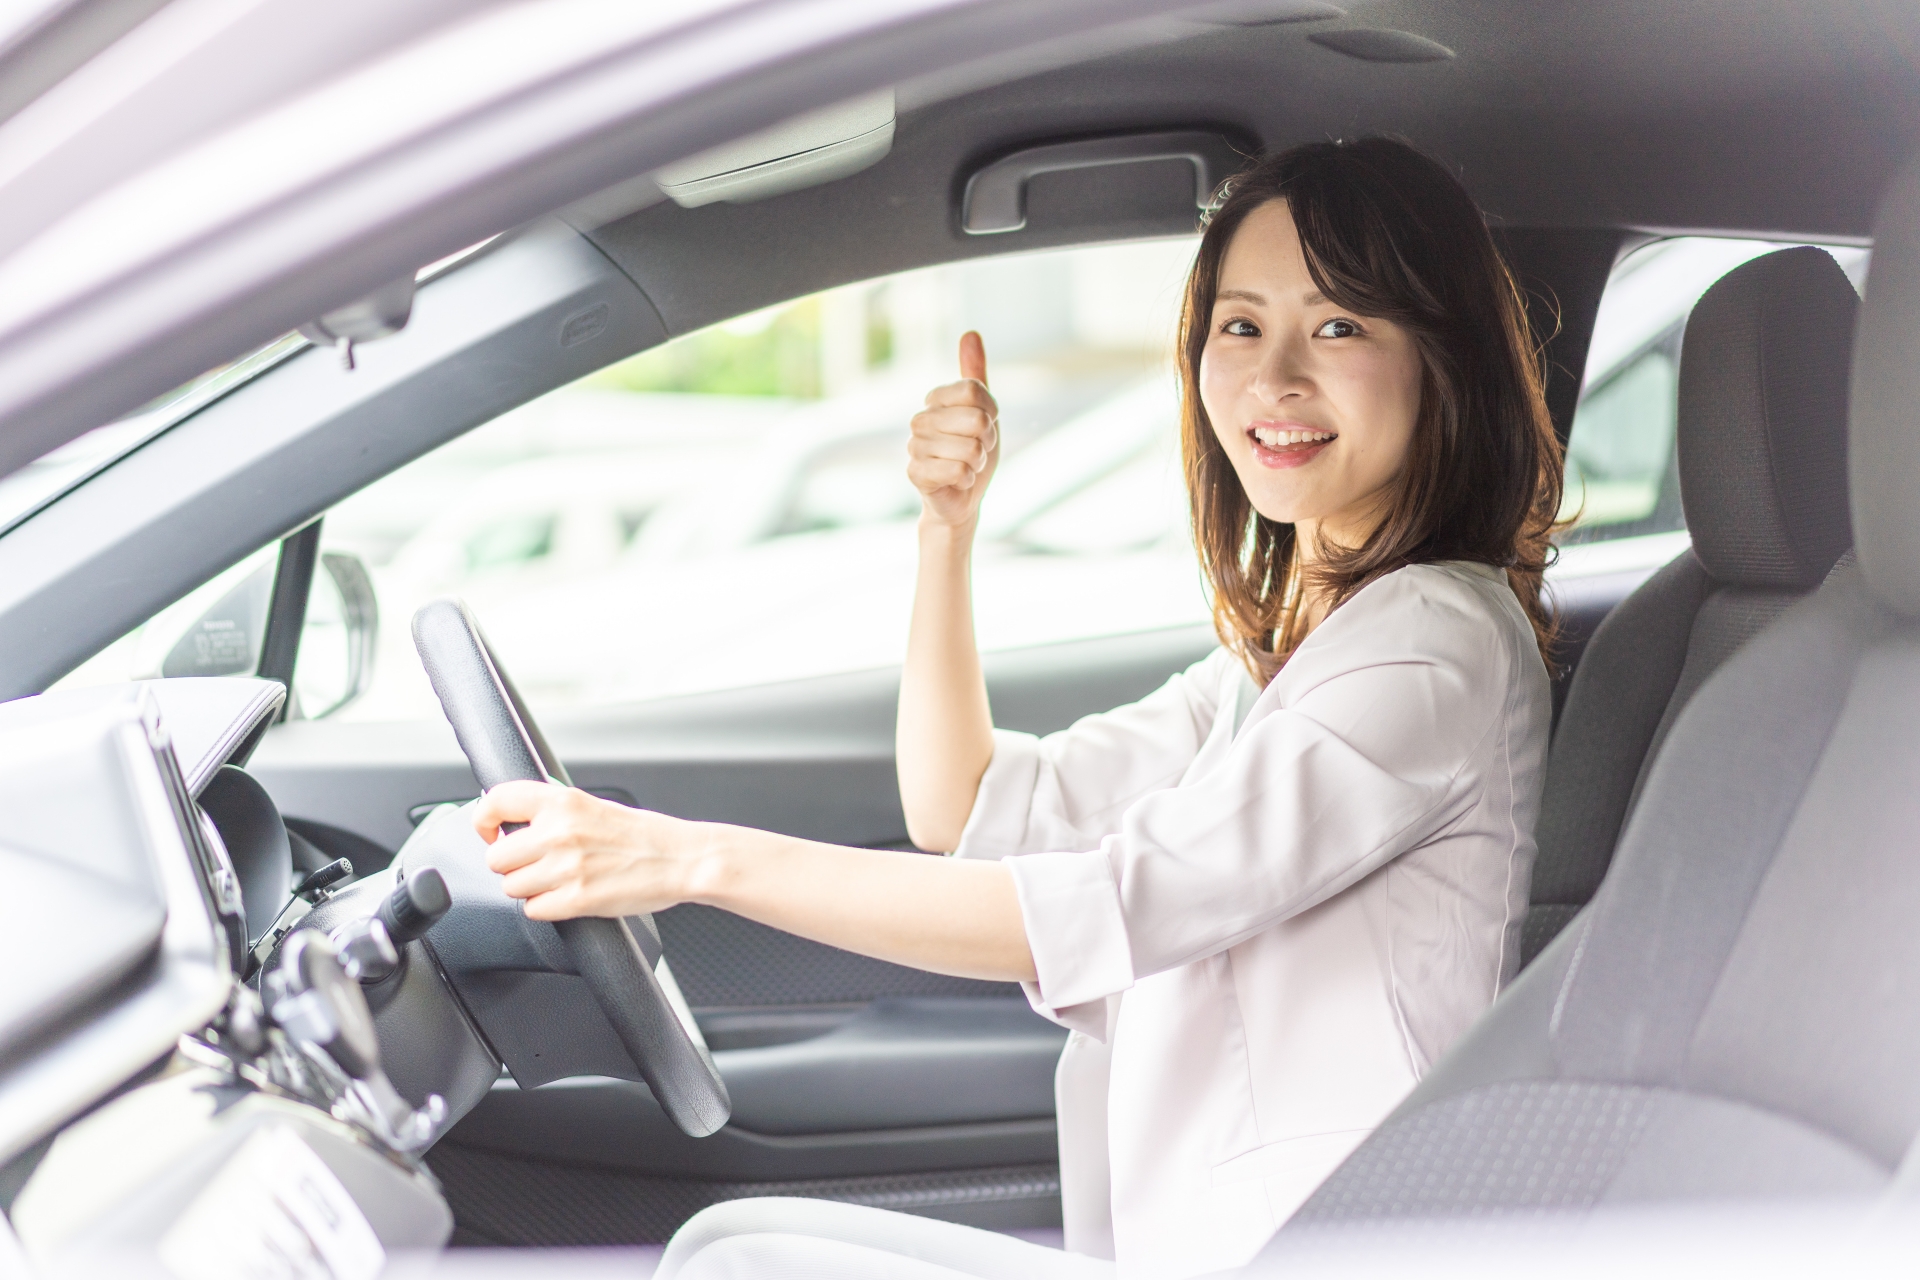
(145, 1101)
(121, 925)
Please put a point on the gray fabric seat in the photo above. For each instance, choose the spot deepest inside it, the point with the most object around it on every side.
(1763, 480)
(1736, 1014)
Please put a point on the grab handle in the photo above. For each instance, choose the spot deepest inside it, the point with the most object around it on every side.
(995, 199)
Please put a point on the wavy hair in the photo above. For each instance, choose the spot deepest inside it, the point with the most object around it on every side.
(1388, 234)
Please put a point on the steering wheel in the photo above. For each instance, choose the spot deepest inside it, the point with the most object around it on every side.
(503, 744)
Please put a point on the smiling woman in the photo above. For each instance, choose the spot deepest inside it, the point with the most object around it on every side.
(1399, 366)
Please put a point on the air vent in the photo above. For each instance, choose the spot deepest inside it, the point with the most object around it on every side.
(1378, 44)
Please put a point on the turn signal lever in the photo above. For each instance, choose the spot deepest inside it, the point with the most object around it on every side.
(311, 998)
(415, 906)
(375, 949)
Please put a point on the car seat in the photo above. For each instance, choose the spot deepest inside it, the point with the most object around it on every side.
(1763, 480)
(1734, 1015)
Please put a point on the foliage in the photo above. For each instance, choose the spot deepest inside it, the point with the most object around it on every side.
(776, 356)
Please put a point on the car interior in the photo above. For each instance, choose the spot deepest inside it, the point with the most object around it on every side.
(1709, 1007)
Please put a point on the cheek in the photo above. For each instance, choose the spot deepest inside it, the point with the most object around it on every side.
(1386, 395)
(1220, 384)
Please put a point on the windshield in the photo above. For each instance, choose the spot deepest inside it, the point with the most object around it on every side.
(49, 477)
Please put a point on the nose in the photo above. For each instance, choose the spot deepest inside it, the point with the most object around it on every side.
(1283, 373)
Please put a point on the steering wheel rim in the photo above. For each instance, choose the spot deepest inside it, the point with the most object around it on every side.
(503, 744)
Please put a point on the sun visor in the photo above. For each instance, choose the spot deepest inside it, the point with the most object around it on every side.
(805, 151)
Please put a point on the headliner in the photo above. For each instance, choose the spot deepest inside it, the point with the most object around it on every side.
(1742, 116)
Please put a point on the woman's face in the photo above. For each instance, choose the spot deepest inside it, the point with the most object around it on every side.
(1315, 405)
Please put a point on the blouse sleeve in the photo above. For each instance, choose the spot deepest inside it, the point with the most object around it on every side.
(1069, 789)
(1354, 767)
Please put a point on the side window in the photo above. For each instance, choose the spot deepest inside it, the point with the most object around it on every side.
(1622, 470)
(223, 627)
(214, 630)
(732, 508)
(1622, 478)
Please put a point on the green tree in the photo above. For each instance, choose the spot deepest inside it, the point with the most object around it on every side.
(780, 358)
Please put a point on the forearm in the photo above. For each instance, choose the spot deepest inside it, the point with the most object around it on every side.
(943, 739)
(947, 916)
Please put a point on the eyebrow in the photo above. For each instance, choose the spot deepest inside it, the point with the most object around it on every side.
(1313, 299)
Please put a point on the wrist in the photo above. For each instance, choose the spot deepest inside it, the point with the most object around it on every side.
(712, 867)
(938, 537)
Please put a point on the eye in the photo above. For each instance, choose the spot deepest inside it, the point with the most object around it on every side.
(1337, 328)
(1241, 328)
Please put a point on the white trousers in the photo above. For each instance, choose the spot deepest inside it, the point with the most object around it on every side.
(784, 1238)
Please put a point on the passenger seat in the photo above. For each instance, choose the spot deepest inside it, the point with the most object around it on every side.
(1733, 1018)
(1763, 479)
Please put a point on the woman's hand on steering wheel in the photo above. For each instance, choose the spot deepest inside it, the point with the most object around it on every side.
(580, 855)
(956, 442)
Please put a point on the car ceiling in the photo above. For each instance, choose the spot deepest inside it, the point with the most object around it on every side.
(1780, 119)
(1767, 116)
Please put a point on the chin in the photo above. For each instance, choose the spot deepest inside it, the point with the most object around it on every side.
(1279, 510)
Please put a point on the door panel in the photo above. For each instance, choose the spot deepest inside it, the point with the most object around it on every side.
(940, 1106)
(727, 965)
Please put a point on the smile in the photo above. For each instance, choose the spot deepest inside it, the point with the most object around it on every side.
(1287, 444)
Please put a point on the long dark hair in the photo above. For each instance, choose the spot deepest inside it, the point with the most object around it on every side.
(1389, 234)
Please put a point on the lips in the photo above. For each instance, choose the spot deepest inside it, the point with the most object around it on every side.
(1287, 444)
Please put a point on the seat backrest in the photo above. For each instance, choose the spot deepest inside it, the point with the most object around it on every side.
(1735, 1014)
(1763, 480)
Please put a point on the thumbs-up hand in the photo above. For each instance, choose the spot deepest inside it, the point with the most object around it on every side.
(956, 442)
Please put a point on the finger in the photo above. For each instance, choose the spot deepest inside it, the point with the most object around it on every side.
(540, 875)
(512, 802)
(941, 473)
(965, 449)
(556, 904)
(966, 424)
(973, 357)
(954, 395)
(517, 849)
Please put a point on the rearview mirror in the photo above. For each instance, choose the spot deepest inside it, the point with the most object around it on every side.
(337, 638)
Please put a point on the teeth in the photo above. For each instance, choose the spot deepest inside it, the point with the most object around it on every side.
(1274, 438)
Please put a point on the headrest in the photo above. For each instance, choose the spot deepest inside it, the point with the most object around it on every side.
(1884, 435)
(1763, 420)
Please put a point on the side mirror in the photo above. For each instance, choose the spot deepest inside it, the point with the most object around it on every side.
(337, 639)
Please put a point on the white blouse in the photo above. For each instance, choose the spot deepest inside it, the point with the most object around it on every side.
(1264, 914)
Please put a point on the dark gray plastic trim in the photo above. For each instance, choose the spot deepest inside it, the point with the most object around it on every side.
(901, 1064)
(256, 841)
(995, 199)
(615, 1124)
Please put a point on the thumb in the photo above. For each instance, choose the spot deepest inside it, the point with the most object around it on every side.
(973, 357)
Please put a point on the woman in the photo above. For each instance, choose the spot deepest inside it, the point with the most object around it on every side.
(1268, 896)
